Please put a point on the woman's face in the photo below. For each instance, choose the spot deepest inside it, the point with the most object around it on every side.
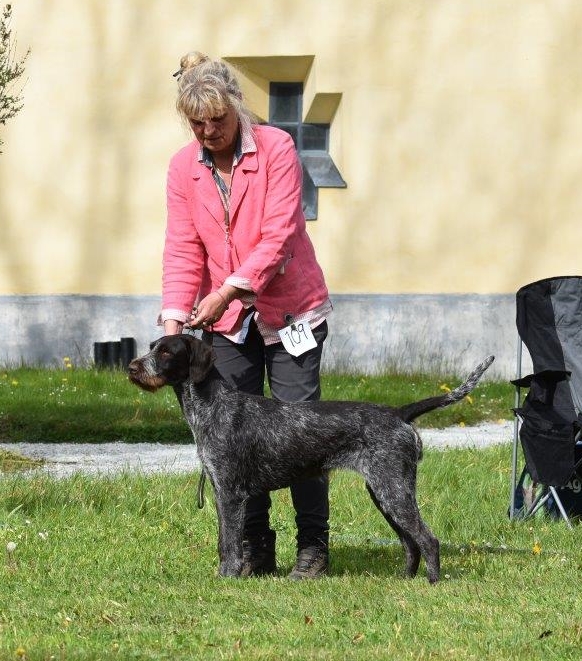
(217, 134)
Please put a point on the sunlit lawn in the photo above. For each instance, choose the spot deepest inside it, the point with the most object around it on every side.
(124, 568)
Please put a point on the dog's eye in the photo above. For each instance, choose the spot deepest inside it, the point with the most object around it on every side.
(165, 354)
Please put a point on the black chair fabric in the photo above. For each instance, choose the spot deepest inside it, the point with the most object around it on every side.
(549, 322)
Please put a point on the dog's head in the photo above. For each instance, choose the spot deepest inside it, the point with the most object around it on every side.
(172, 360)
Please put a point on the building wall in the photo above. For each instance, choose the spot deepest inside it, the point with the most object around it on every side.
(457, 132)
(368, 333)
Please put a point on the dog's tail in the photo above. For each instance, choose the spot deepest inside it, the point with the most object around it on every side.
(411, 411)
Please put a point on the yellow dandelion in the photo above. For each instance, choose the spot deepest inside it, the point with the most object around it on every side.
(20, 652)
(14, 382)
(469, 399)
(537, 548)
(461, 424)
(444, 387)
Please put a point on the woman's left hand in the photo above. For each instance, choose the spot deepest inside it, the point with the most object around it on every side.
(209, 311)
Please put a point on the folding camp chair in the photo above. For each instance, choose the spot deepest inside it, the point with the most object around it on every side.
(548, 421)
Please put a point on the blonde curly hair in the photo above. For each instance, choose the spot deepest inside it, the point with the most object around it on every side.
(208, 88)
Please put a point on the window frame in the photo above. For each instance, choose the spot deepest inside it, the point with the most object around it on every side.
(319, 171)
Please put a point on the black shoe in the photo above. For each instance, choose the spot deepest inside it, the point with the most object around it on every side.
(312, 562)
(259, 555)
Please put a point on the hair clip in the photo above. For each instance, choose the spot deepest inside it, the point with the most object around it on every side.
(178, 73)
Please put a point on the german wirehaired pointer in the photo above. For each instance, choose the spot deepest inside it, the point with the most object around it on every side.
(249, 445)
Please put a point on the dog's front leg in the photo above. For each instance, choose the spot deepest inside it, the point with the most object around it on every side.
(231, 510)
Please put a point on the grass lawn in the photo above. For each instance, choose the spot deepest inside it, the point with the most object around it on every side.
(73, 405)
(125, 568)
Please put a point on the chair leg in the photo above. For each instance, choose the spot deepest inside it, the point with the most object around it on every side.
(514, 469)
(542, 499)
(539, 502)
(561, 507)
(516, 424)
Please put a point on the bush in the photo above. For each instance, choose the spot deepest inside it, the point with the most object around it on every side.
(10, 70)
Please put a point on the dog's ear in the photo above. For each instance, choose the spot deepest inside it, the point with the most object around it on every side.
(201, 358)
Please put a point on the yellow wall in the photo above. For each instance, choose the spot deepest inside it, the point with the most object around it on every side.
(458, 133)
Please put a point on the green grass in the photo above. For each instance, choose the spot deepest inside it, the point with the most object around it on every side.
(12, 462)
(84, 405)
(87, 406)
(124, 568)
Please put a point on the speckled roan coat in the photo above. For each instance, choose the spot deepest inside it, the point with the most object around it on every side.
(249, 444)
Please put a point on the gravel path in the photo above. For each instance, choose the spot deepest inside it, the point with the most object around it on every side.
(64, 459)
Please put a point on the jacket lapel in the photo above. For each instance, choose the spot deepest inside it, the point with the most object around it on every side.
(206, 187)
(240, 181)
(206, 191)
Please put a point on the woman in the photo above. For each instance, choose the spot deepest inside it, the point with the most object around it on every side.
(238, 263)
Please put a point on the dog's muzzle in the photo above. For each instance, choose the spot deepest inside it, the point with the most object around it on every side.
(141, 376)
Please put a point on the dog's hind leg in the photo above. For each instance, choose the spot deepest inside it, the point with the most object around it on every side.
(231, 510)
(411, 550)
(398, 505)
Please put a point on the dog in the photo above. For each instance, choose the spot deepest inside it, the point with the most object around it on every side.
(249, 444)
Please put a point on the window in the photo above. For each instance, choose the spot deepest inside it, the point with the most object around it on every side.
(311, 141)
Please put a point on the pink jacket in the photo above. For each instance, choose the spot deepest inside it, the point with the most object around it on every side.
(270, 244)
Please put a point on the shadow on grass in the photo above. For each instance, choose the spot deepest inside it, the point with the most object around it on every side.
(376, 556)
(372, 559)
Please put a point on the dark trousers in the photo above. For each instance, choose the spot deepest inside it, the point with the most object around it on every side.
(291, 379)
